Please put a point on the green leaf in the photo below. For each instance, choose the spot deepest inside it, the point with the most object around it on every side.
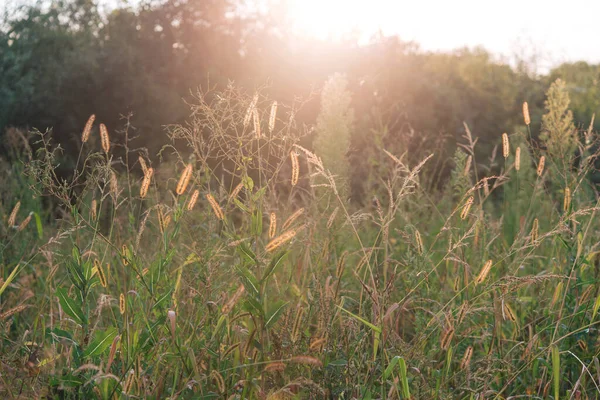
(71, 307)
(275, 315)
(367, 323)
(556, 371)
(101, 342)
(257, 220)
(404, 378)
(390, 367)
(275, 262)
(596, 306)
(338, 363)
(248, 280)
(247, 253)
(38, 224)
(241, 206)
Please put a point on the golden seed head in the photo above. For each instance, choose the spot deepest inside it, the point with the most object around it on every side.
(505, 146)
(419, 242)
(215, 206)
(484, 272)
(25, 222)
(508, 313)
(274, 366)
(193, 199)
(100, 271)
(171, 315)
(557, 293)
(125, 254)
(526, 117)
(296, 328)
(466, 360)
(518, 158)
(540, 168)
(85, 135)
(567, 200)
(280, 240)
(308, 360)
(114, 184)
(143, 164)
(122, 304)
(236, 191)
(184, 180)
(146, 182)
(288, 222)
(295, 167)
(446, 338)
(250, 110)
(104, 138)
(332, 217)
(273, 116)
(467, 207)
(534, 231)
(12, 219)
(256, 120)
(272, 225)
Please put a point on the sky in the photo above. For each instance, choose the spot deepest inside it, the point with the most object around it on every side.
(556, 31)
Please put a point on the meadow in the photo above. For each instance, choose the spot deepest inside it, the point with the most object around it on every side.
(232, 265)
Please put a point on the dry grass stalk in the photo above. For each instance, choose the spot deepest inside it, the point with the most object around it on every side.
(295, 167)
(467, 207)
(280, 240)
(215, 206)
(505, 146)
(288, 222)
(12, 218)
(332, 217)
(273, 116)
(184, 180)
(468, 165)
(272, 225)
(296, 328)
(104, 138)
(85, 135)
(193, 200)
(526, 116)
(484, 272)
(541, 163)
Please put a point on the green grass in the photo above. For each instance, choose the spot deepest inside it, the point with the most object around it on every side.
(146, 298)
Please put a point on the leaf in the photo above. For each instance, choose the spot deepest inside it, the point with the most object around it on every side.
(275, 315)
(596, 306)
(38, 224)
(367, 323)
(246, 252)
(101, 342)
(404, 378)
(275, 262)
(390, 367)
(556, 371)
(71, 307)
(338, 363)
(249, 280)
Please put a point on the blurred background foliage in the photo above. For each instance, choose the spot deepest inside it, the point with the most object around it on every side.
(61, 61)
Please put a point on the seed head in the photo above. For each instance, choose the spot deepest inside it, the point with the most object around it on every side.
(484, 272)
(526, 117)
(295, 167)
(25, 222)
(236, 191)
(184, 180)
(122, 304)
(466, 360)
(146, 182)
(534, 231)
(93, 209)
(505, 145)
(272, 225)
(567, 200)
(143, 164)
(281, 239)
(467, 208)
(273, 116)
(215, 206)
(226, 309)
(100, 271)
(518, 158)
(256, 120)
(85, 135)
(540, 168)
(193, 199)
(419, 242)
(104, 139)
(468, 165)
(12, 219)
(288, 222)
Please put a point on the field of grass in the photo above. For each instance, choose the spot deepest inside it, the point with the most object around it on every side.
(236, 268)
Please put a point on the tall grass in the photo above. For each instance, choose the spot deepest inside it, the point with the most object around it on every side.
(220, 274)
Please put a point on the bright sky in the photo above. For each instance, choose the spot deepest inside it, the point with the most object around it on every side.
(556, 30)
